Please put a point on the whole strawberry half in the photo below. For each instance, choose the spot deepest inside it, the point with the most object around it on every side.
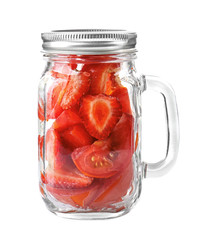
(100, 114)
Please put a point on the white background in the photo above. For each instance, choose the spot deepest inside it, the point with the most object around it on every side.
(178, 41)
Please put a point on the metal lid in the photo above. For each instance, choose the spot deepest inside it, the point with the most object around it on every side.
(89, 41)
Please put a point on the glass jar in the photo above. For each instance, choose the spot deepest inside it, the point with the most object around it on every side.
(89, 113)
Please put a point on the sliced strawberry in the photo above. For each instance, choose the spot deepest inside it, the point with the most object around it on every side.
(55, 153)
(62, 70)
(67, 177)
(121, 93)
(101, 73)
(76, 136)
(112, 84)
(122, 136)
(100, 114)
(64, 93)
(67, 119)
(77, 86)
(54, 96)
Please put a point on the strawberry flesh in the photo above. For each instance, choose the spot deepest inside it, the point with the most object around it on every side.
(121, 93)
(101, 76)
(62, 70)
(77, 86)
(122, 136)
(100, 114)
(55, 91)
(76, 136)
(67, 119)
(55, 153)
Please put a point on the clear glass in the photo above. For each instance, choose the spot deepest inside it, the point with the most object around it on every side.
(89, 138)
(89, 135)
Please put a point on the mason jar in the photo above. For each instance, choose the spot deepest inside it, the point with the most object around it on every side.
(89, 115)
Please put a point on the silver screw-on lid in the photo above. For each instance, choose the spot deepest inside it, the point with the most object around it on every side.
(89, 41)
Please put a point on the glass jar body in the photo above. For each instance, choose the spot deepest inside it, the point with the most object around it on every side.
(89, 138)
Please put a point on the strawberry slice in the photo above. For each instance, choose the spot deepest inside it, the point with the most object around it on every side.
(77, 86)
(55, 153)
(54, 96)
(100, 114)
(121, 93)
(122, 136)
(112, 84)
(76, 136)
(67, 177)
(62, 70)
(101, 75)
(65, 92)
(67, 119)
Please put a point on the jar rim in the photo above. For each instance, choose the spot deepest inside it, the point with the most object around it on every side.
(89, 41)
(94, 58)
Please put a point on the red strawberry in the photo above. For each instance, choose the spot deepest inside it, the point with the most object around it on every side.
(67, 119)
(101, 75)
(54, 96)
(122, 136)
(55, 153)
(121, 93)
(77, 86)
(67, 177)
(100, 114)
(112, 84)
(62, 70)
(76, 136)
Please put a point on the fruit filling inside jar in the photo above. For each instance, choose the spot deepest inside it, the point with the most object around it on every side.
(89, 145)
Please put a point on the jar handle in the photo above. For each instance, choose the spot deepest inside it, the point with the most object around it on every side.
(162, 167)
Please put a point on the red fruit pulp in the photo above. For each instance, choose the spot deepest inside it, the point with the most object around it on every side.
(100, 114)
(101, 76)
(66, 119)
(76, 136)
